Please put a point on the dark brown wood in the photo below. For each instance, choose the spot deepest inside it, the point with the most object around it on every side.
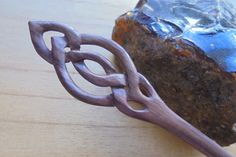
(126, 86)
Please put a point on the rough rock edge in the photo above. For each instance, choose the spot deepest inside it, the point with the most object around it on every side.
(186, 79)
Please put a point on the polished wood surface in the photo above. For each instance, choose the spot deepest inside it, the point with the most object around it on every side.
(39, 118)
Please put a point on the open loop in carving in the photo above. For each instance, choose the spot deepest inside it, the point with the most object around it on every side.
(37, 29)
(58, 45)
(112, 79)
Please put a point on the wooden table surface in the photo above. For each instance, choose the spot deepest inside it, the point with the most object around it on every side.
(38, 118)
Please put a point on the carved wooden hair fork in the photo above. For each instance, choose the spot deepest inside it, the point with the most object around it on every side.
(126, 86)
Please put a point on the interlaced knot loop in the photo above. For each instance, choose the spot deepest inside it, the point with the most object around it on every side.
(72, 37)
(125, 86)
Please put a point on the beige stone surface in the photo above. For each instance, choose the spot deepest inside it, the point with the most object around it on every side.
(38, 118)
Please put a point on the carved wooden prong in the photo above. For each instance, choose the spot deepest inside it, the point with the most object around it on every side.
(125, 86)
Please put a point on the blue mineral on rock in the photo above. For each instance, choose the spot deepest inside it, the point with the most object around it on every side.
(187, 50)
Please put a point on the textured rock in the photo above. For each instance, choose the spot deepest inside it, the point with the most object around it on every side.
(187, 50)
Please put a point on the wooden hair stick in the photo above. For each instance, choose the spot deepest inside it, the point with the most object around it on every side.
(126, 86)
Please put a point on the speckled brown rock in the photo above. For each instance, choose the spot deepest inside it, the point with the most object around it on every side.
(190, 65)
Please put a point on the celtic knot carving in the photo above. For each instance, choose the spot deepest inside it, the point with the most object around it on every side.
(126, 85)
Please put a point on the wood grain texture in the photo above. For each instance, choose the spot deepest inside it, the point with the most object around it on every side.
(38, 118)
